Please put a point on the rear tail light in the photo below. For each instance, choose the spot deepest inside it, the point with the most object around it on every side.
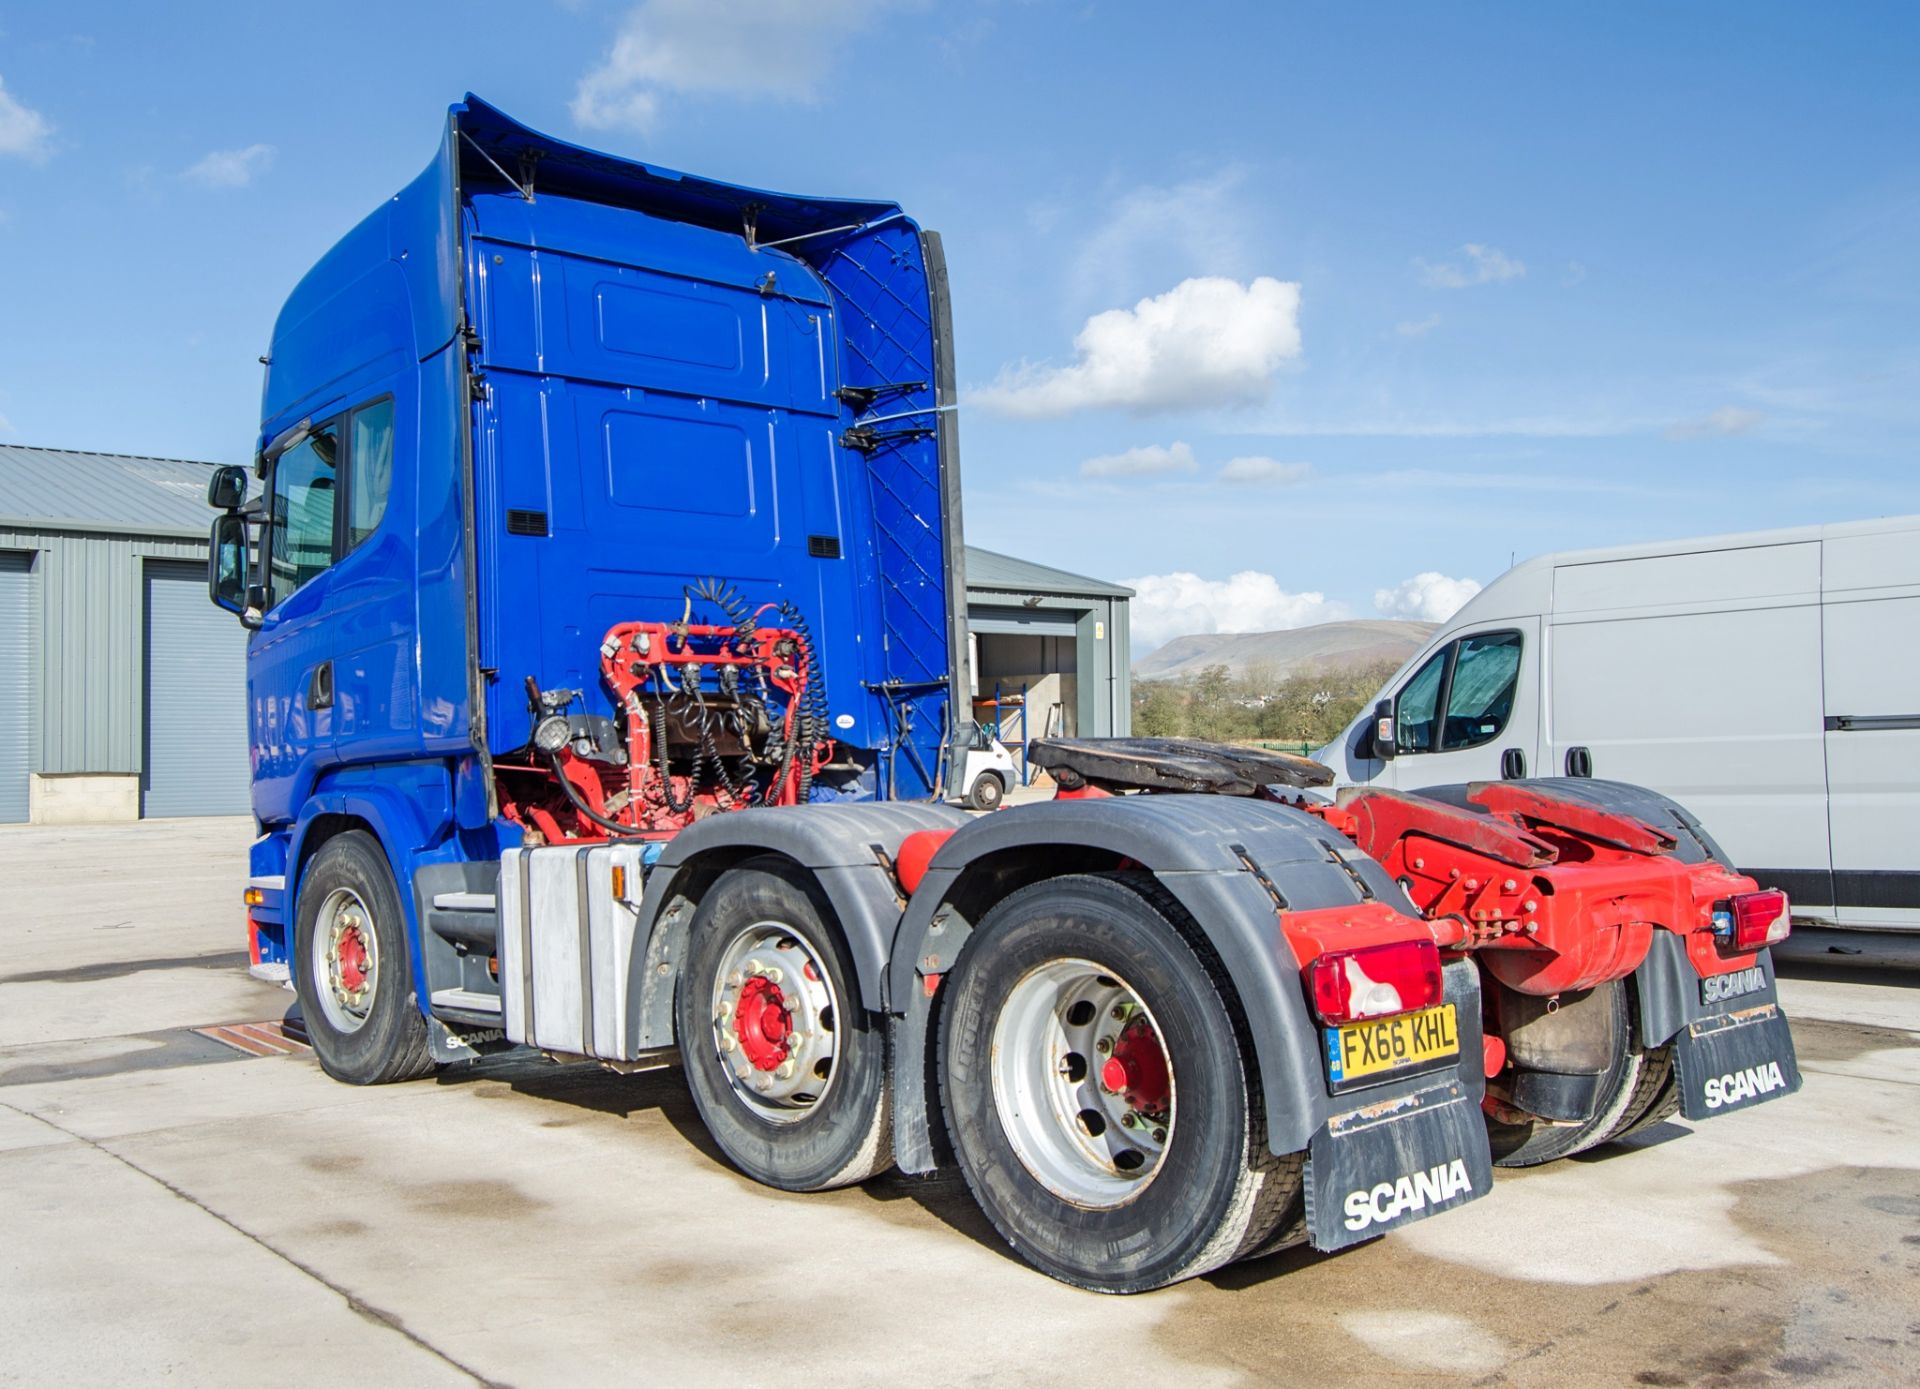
(1752, 920)
(1376, 980)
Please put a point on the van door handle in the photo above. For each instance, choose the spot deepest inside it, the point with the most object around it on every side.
(1513, 764)
(320, 686)
(1862, 723)
(1579, 762)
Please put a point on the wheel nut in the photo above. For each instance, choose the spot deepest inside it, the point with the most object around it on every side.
(1159, 1135)
(1104, 1045)
(1119, 1011)
(773, 974)
(785, 1071)
(1127, 1120)
(727, 1041)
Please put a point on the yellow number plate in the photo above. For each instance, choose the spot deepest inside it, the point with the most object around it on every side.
(1359, 1049)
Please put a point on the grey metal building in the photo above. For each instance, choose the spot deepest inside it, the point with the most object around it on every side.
(1059, 639)
(122, 689)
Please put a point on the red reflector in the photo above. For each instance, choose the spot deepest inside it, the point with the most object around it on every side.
(1760, 918)
(253, 941)
(1376, 980)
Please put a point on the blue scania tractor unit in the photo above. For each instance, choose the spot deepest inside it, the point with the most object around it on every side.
(603, 573)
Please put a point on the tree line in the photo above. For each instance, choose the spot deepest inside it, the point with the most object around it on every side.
(1309, 708)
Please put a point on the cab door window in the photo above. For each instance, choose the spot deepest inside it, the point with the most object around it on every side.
(1486, 672)
(1419, 702)
(300, 532)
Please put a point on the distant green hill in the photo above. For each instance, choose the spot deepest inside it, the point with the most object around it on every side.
(1325, 646)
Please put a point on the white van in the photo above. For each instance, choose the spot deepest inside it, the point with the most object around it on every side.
(1770, 683)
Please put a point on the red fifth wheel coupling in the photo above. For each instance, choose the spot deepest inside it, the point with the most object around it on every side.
(1551, 894)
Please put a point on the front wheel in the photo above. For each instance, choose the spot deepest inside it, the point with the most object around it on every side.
(351, 968)
(788, 1071)
(1097, 1091)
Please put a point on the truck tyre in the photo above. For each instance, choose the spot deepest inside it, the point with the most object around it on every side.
(1629, 1086)
(788, 1071)
(1097, 1090)
(352, 970)
(986, 791)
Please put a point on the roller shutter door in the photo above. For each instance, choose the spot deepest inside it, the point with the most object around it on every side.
(16, 682)
(196, 699)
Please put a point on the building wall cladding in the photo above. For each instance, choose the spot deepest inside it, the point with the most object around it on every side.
(89, 602)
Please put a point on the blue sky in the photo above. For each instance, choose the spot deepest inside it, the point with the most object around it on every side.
(1287, 312)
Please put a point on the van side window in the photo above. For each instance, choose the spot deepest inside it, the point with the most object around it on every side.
(1417, 705)
(300, 529)
(371, 471)
(1486, 670)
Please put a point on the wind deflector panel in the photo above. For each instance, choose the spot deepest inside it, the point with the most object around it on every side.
(886, 331)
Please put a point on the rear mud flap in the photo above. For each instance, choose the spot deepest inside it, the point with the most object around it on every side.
(1388, 1164)
(1735, 1060)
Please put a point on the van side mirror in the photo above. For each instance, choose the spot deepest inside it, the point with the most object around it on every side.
(227, 565)
(227, 488)
(1386, 740)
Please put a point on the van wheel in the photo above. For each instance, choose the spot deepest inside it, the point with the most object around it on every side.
(1097, 1091)
(1627, 1091)
(352, 971)
(986, 792)
(788, 1071)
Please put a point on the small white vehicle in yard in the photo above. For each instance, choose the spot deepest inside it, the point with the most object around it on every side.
(986, 771)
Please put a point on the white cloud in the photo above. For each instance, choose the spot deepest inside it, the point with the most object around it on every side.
(6, 426)
(1205, 342)
(770, 48)
(1727, 420)
(1264, 470)
(1417, 327)
(1177, 605)
(23, 131)
(232, 168)
(1145, 461)
(1483, 265)
(1427, 597)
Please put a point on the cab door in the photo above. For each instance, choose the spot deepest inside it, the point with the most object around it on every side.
(289, 662)
(1470, 711)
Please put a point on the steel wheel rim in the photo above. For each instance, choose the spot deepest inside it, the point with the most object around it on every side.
(346, 960)
(1062, 1030)
(776, 1021)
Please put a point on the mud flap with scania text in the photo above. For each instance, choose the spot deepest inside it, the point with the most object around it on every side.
(1387, 1164)
(1734, 1060)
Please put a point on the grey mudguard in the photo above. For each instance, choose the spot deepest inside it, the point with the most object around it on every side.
(841, 845)
(1224, 859)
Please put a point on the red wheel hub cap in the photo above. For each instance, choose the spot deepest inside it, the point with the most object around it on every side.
(353, 961)
(1138, 1069)
(762, 1024)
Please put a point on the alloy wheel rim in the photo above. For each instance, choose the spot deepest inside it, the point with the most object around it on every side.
(346, 960)
(775, 1022)
(1082, 1083)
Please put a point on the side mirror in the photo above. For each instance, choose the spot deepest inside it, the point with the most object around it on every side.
(1386, 740)
(227, 565)
(227, 488)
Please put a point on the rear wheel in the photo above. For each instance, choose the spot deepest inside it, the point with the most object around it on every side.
(1629, 1090)
(1098, 1094)
(351, 968)
(786, 1068)
(986, 791)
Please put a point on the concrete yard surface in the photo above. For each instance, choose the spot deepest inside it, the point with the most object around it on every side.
(174, 1211)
